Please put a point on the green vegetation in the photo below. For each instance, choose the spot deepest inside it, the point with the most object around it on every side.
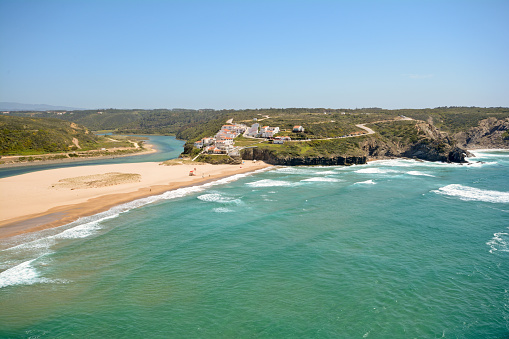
(399, 132)
(217, 159)
(37, 135)
(240, 141)
(317, 148)
(319, 123)
(456, 119)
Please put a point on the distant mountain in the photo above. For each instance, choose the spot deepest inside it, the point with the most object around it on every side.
(16, 106)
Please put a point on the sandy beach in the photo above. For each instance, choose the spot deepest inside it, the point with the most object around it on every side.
(51, 198)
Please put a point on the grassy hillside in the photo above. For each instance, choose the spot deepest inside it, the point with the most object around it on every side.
(39, 135)
(319, 123)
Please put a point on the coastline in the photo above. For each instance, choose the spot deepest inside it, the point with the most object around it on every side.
(33, 202)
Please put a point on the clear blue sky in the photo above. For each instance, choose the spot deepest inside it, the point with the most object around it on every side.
(255, 54)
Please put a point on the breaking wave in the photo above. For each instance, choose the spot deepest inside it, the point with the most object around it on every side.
(322, 179)
(467, 193)
(417, 173)
(219, 198)
(23, 274)
(375, 171)
(270, 183)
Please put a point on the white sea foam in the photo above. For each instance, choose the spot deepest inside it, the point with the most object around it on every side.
(322, 179)
(219, 198)
(222, 210)
(417, 173)
(288, 170)
(499, 242)
(22, 274)
(394, 163)
(412, 163)
(478, 163)
(367, 182)
(375, 170)
(82, 231)
(489, 153)
(467, 193)
(270, 183)
(305, 170)
(327, 172)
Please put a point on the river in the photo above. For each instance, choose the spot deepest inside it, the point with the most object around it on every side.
(167, 148)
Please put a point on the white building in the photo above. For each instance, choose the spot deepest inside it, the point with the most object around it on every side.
(208, 141)
(224, 143)
(253, 130)
(268, 132)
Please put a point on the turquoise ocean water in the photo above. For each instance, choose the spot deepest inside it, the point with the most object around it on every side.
(392, 249)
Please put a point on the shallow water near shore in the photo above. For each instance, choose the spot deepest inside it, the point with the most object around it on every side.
(395, 248)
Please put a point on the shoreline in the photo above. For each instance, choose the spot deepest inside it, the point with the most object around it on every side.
(60, 207)
(61, 212)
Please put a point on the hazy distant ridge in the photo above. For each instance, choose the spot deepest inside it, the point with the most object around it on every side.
(16, 106)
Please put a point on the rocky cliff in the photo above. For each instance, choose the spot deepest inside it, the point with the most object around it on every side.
(428, 143)
(490, 133)
(272, 157)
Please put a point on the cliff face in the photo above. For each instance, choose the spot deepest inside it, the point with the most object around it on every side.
(432, 146)
(488, 134)
(273, 158)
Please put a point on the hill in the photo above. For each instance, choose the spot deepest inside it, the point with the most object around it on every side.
(433, 134)
(39, 135)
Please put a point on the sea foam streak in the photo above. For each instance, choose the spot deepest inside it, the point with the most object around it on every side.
(22, 274)
(269, 183)
(367, 182)
(305, 170)
(467, 193)
(375, 171)
(322, 179)
(222, 210)
(417, 173)
(219, 198)
(499, 242)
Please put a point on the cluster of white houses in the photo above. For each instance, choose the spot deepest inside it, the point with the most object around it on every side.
(222, 142)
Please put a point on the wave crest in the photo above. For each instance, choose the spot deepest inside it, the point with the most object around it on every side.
(219, 198)
(467, 193)
(270, 183)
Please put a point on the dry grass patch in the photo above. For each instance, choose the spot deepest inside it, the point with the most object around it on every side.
(98, 180)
